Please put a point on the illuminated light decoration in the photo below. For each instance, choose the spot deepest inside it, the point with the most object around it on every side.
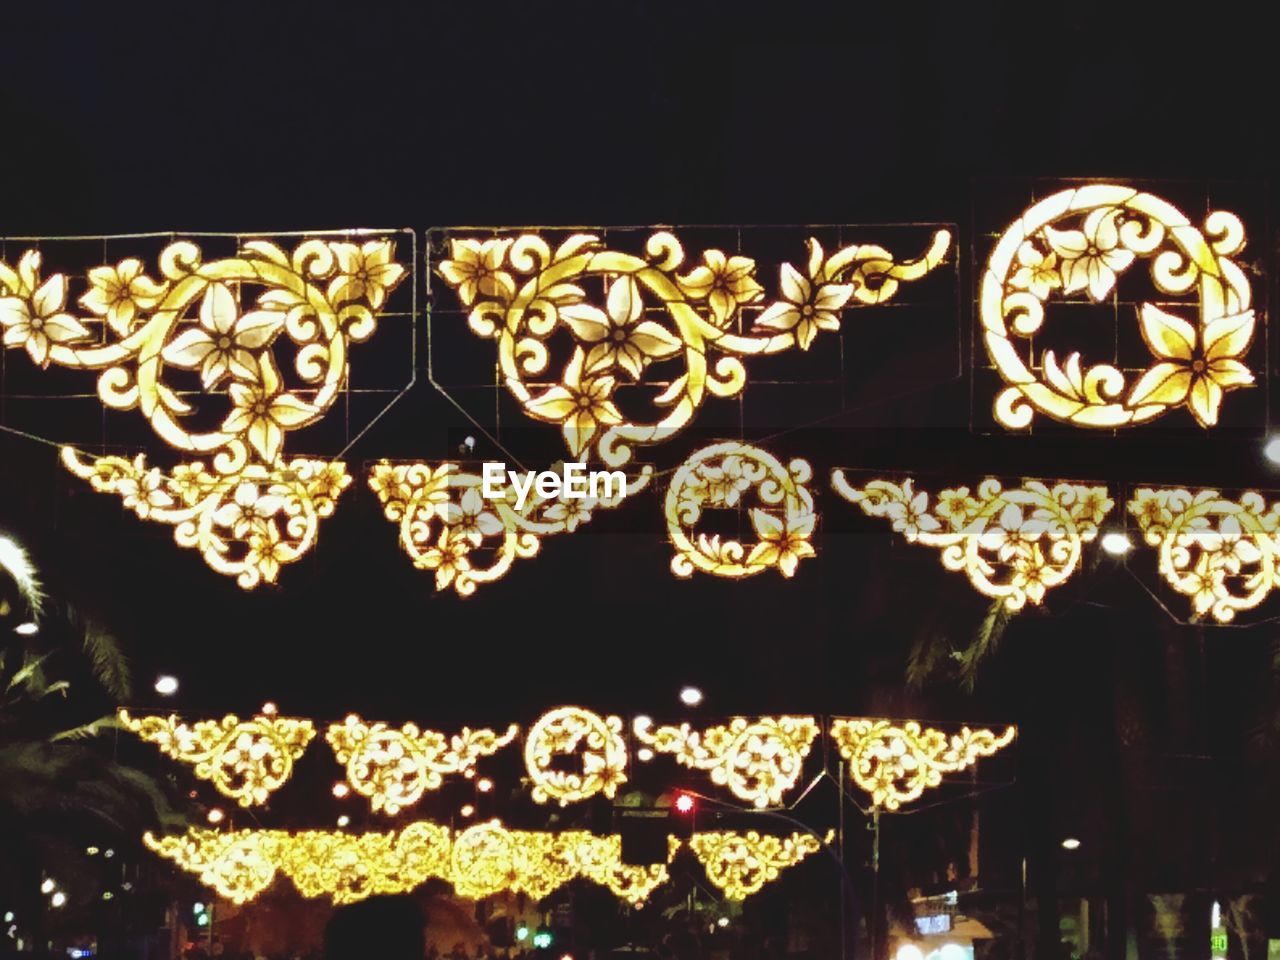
(245, 760)
(741, 864)
(570, 730)
(237, 866)
(393, 768)
(273, 513)
(1012, 544)
(719, 477)
(758, 760)
(250, 510)
(896, 763)
(1080, 241)
(447, 525)
(1221, 553)
(480, 861)
(520, 292)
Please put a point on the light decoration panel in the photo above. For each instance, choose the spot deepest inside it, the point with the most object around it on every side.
(1013, 544)
(895, 763)
(395, 767)
(521, 291)
(482, 860)
(448, 526)
(1080, 241)
(245, 760)
(729, 476)
(758, 760)
(573, 730)
(242, 504)
(740, 864)
(1219, 552)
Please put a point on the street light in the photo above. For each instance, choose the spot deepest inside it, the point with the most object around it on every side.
(58, 899)
(28, 629)
(341, 790)
(1116, 543)
(691, 696)
(48, 886)
(166, 685)
(216, 816)
(1272, 449)
(343, 820)
(1071, 843)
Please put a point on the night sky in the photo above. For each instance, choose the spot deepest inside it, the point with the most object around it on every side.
(274, 116)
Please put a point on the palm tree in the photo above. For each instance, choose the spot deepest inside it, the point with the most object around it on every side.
(62, 789)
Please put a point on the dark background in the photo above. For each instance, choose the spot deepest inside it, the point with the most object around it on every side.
(275, 116)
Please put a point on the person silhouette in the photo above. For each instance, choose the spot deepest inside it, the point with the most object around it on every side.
(379, 928)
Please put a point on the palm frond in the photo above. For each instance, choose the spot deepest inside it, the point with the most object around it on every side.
(17, 563)
(985, 641)
(87, 731)
(107, 660)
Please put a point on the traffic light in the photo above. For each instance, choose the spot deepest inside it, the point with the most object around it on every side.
(522, 932)
(684, 803)
(542, 939)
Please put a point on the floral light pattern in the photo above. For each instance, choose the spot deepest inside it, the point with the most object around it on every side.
(1221, 553)
(482, 860)
(716, 477)
(759, 761)
(595, 739)
(245, 760)
(393, 767)
(1081, 241)
(520, 291)
(447, 525)
(139, 330)
(740, 864)
(1014, 544)
(895, 763)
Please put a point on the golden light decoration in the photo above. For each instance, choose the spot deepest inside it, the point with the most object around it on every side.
(758, 760)
(393, 768)
(721, 476)
(741, 864)
(447, 525)
(895, 763)
(1221, 553)
(246, 760)
(520, 292)
(248, 509)
(1081, 241)
(237, 866)
(1013, 544)
(573, 730)
(480, 861)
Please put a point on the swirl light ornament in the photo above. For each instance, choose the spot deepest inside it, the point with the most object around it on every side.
(573, 730)
(245, 760)
(394, 767)
(482, 860)
(758, 760)
(1013, 544)
(719, 477)
(1222, 553)
(247, 508)
(1080, 241)
(656, 307)
(740, 864)
(895, 763)
(448, 526)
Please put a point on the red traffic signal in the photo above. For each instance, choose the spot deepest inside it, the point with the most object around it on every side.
(684, 803)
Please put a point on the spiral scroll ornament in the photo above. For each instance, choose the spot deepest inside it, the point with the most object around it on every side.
(1081, 241)
(728, 476)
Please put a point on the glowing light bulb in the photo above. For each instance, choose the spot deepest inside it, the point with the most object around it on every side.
(644, 754)
(166, 685)
(722, 922)
(467, 810)
(684, 803)
(1071, 843)
(691, 696)
(269, 709)
(484, 785)
(341, 790)
(58, 899)
(48, 885)
(28, 629)
(1272, 450)
(343, 820)
(1116, 543)
(216, 815)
